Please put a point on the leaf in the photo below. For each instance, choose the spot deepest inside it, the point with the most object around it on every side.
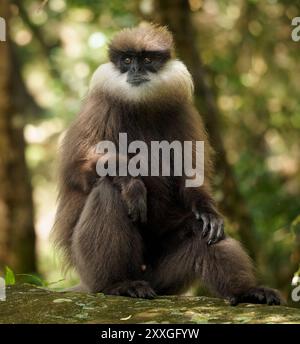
(295, 226)
(9, 276)
(33, 279)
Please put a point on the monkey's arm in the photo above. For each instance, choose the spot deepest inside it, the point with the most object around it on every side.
(79, 171)
(198, 199)
(78, 167)
(132, 189)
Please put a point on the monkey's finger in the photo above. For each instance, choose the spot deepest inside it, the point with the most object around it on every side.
(136, 214)
(273, 298)
(213, 230)
(233, 301)
(197, 215)
(133, 215)
(153, 294)
(132, 292)
(143, 215)
(146, 294)
(220, 235)
(205, 228)
(141, 292)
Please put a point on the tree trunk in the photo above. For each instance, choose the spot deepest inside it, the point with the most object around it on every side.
(177, 16)
(17, 236)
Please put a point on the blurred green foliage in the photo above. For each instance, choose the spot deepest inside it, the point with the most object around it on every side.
(9, 276)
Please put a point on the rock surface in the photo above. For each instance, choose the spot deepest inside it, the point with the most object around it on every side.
(30, 304)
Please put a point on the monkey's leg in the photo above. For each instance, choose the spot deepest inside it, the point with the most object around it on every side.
(107, 247)
(224, 268)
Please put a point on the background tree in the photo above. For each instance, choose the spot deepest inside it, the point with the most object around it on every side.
(17, 237)
(177, 15)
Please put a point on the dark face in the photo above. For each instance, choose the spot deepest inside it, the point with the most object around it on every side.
(137, 65)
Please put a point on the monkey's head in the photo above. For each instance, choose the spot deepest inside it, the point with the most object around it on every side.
(143, 68)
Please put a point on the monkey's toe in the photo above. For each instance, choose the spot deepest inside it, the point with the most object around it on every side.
(258, 295)
(140, 289)
(213, 228)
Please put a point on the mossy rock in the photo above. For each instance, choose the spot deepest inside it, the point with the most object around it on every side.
(29, 304)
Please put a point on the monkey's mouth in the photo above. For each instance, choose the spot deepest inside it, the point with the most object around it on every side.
(137, 80)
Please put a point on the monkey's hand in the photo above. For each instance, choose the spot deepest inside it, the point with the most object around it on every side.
(213, 225)
(134, 194)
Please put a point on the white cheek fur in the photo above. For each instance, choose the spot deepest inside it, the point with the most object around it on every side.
(174, 78)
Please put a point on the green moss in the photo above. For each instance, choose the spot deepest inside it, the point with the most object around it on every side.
(28, 304)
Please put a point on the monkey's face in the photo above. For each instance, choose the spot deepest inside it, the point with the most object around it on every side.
(140, 66)
(143, 77)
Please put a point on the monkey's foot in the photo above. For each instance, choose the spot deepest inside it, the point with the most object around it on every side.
(140, 289)
(213, 227)
(257, 295)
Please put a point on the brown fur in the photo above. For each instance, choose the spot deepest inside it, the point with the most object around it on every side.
(146, 37)
(140, 236)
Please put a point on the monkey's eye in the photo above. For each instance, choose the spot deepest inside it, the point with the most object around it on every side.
(127, 60)
(147, 60)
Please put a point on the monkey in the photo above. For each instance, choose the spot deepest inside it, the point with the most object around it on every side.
(143, 236)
